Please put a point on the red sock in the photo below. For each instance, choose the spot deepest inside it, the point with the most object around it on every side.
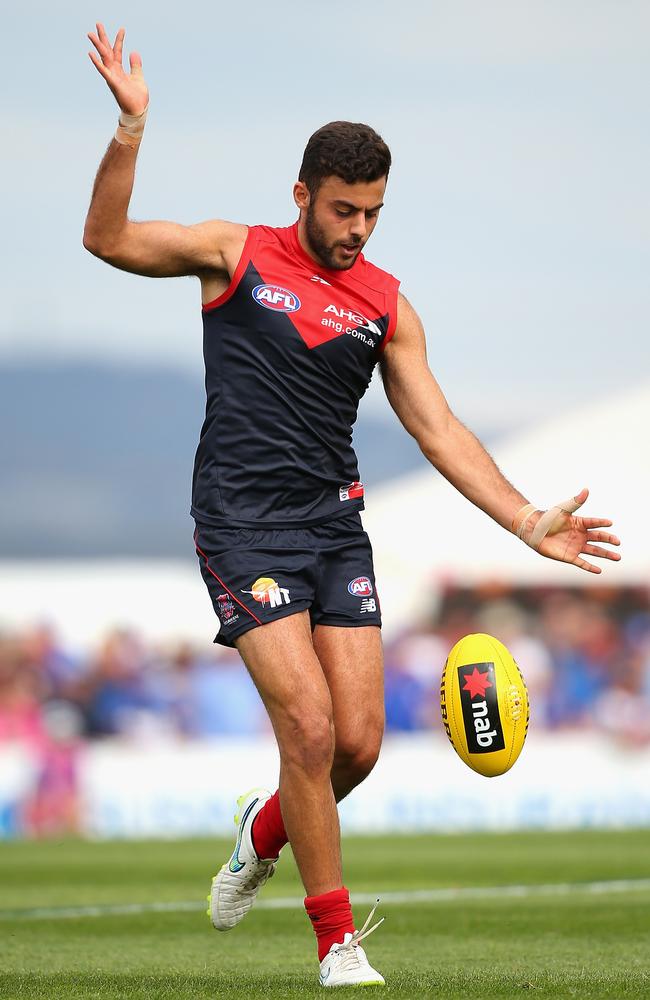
(331, 917)
(269, 834)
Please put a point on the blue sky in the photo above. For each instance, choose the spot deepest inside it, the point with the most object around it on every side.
(517, 213)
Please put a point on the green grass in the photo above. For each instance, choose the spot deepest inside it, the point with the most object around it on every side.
(573, 945)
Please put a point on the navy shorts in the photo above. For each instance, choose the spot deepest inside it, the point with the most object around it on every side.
(257, 576)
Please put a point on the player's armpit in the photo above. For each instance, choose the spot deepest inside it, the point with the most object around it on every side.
(168, 249)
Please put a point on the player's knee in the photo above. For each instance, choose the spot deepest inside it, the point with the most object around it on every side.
(356, 754)
(309, 742)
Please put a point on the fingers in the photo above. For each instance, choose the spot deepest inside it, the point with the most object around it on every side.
(603, 536)
(595, 522)
(583, 564)
(103, 51)
(117, 48)
(103, 37)
(135, 62)
(109, 53)
(596, 550)
(99, 64)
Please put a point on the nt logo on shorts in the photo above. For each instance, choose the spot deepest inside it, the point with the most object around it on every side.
(266, 590)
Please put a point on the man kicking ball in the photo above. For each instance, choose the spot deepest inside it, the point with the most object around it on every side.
(295, 320)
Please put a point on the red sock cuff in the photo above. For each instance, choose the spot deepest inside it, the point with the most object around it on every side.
(326, 899)
(331, 917)
(268, 833)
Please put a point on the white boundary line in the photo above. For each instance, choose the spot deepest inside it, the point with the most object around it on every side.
(294, 902)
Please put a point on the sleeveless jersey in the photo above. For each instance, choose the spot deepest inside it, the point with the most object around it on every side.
(289, 351)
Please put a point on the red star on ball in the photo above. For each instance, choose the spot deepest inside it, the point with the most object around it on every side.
(477, 683)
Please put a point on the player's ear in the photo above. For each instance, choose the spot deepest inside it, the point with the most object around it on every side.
(301, 195)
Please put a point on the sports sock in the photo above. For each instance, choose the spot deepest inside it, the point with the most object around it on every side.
(331, 917)
(268, 833)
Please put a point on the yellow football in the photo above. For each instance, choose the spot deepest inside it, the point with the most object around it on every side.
(484, 704)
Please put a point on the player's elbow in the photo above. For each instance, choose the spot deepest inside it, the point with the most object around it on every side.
(99, 246)
(93, 243)
(106, 241)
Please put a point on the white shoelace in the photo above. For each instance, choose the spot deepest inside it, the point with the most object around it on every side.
(350, 957)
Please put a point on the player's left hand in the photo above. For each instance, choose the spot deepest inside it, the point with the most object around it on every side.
(571, 537)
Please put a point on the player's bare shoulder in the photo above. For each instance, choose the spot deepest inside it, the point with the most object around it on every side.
(221, 243)
(408, 342)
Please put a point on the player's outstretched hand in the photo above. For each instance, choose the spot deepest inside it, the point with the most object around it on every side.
(129, 89)
(571, 537)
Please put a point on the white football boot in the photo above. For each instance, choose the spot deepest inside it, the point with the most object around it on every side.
(347, 965)
(236, 885)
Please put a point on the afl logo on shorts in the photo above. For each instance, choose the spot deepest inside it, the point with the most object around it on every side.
(276, 298)
(361, 587)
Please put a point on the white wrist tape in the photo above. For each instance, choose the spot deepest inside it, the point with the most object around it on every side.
(131, 128)
(549, 522)
(525, 513)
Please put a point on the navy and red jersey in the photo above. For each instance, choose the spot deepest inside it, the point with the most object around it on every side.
(289, 351)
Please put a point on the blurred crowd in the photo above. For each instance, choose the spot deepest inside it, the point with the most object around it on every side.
(585, 656)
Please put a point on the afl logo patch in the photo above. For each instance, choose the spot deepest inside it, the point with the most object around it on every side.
(276, 298)
(360, 587)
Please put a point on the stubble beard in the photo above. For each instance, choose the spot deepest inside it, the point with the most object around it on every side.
(324, 251)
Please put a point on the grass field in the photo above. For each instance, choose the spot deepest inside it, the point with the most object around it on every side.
(76, 919)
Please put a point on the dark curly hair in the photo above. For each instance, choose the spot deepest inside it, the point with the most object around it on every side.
(349, 150)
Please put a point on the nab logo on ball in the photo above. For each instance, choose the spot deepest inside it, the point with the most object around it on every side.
(478, 696)
(276, 298)
(360, 587)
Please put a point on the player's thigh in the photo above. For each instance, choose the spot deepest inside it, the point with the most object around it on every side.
(353, 665)
(281, 659)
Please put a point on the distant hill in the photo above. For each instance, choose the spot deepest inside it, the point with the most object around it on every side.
(96, 460)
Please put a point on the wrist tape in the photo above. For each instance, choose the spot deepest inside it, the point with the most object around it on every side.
(547, 522)
(131, 128)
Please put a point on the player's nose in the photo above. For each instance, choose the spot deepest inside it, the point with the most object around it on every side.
(358, 227)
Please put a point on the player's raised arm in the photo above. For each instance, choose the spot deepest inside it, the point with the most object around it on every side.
(422, 408)
(156, 249)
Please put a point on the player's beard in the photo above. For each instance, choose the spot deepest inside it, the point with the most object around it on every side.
(321, 248)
